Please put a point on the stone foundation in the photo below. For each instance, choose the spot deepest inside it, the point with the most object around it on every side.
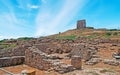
(17, 51)
(40, 60)
(37, 59)
(11, 61)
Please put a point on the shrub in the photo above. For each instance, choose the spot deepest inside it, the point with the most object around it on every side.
(108, 34)
(2, 41)
(115, 33)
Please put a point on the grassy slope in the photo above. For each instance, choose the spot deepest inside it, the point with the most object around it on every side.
(88, 33)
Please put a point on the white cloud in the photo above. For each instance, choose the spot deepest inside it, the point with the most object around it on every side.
(24, 4)
(49, 23)
(9, 37)
(1, 37)
(10, 21)
(11, 26)
(5, 37)
(33, 6)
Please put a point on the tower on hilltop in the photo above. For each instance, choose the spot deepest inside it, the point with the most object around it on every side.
(81, 24)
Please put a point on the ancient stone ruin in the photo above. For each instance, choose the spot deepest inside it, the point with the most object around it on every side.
(49, 54)
(40, 60)
(81, 24)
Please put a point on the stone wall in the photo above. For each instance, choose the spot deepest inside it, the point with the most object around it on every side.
(81, 24)
(51, 48)
(40, 60)
(37, 59)
(11, 61)
(17, 51)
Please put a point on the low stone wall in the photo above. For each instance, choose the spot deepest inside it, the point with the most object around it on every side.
(40, 60)
(51, 48)
(11, 61)
(37, 59)
(111, 62)
(17, 51)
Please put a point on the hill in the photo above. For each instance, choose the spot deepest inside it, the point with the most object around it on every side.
(88, 33)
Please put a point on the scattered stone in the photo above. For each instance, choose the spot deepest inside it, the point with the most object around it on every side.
(28, 72)
(93, 61)
(95, 56)
(63, 68)
(114, 44)
(111, 62)
(112, 49)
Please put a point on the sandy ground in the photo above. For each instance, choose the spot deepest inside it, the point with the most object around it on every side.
(86, 70)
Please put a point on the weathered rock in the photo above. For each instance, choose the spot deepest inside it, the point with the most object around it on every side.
(95, 56)
(53, 57)
(63, 68)
(76, 61)
(16, 51)
(36, 58)
(85, 51)
(111, 62)
(28, 72)
(93, 61)
(11, 61)
(45, 62)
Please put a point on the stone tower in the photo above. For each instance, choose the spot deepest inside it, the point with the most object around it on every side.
(81, 24)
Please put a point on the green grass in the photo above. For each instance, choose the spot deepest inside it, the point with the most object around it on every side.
(107, 35)
(90, 36)
(105, 70)
(4, 46)
(2, 41)
(92, 73)
(25, 38)
(72, 37)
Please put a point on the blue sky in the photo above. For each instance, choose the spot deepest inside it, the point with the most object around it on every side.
(33, 18)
